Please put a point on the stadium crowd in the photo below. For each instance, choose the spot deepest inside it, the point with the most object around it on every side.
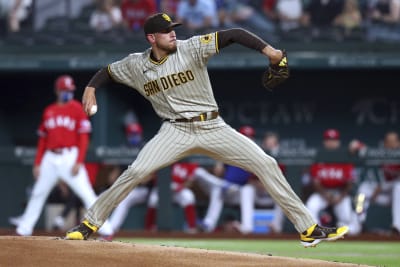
(300, 20)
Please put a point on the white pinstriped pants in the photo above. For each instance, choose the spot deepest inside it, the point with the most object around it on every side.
(213, 138)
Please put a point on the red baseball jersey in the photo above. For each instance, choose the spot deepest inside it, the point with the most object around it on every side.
(63, 126)
(183, 171)
(135, 13)
(391, 171)
(333, 175)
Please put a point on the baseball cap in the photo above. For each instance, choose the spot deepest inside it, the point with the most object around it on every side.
(65, 83)
(247, 131)
(133, 128)
(331, 134)
(158, 22)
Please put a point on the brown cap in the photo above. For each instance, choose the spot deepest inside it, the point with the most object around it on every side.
(158, 22)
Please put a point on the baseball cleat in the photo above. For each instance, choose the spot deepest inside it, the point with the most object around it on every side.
(315, 234)
(81, 231)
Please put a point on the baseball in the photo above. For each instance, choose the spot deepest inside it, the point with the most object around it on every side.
(93, 110)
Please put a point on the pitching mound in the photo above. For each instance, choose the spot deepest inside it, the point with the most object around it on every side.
(51, 251)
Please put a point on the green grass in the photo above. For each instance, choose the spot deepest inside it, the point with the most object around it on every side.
(370, 253)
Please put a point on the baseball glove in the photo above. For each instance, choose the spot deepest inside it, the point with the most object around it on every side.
(276, 73)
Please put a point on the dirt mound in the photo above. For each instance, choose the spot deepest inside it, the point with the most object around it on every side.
(46, 251)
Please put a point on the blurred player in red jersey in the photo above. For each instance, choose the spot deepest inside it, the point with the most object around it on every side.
(134, 12)
(385, 190)
(183, 174)
(63, 141)
(332, 183)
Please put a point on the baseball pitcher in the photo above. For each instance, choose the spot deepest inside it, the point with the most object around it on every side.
(172, 74)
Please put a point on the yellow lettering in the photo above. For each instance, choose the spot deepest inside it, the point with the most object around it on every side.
(151, 91)
(164, 83)
(151, 88)
(170, 81)
(182, 77)
(175, 79)
(155, 86)
(146, 89)
(190, 75)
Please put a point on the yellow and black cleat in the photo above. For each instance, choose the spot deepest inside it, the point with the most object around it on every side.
(315, 234)
(81, 231)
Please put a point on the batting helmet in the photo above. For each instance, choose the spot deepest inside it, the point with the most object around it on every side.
(65, 83)
(247, 131)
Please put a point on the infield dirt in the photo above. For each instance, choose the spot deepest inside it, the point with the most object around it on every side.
(46, 251)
